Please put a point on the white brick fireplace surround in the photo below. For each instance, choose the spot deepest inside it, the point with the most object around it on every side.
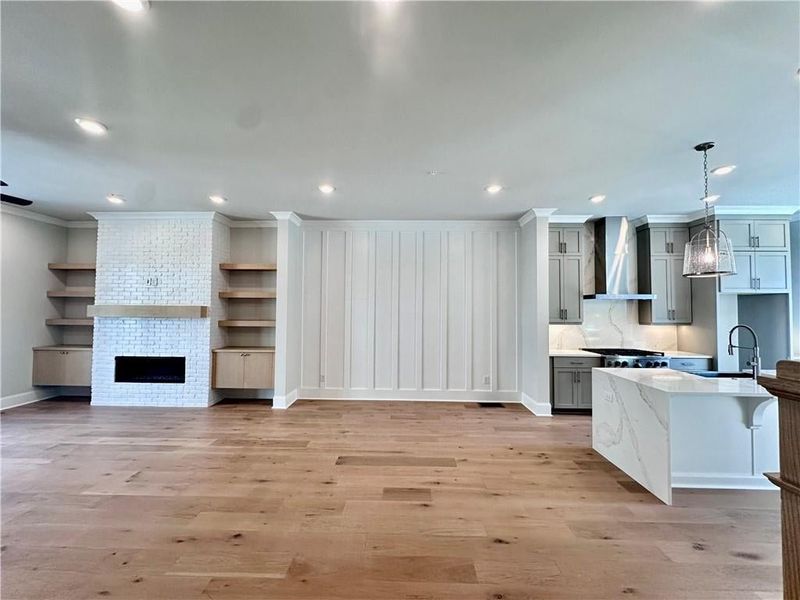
(156, 259)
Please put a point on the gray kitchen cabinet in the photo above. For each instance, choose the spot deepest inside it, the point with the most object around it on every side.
(566, 239)
(758, 235)
(668, 241)
(564, 388)
(572, 382)
(660, 272)
(758, 272)
(565, 275)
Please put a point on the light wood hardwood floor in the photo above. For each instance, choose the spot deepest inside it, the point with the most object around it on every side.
(355, 500)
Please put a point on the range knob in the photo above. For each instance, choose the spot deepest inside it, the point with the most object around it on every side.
(637, 365)
(648, 364)
(664, 364)
(617, 363)
(624, 363)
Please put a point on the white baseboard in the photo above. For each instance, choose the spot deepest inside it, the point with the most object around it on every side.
(540, 409)
(28, 397)
(722, 482)
(284, 402)
(409, 395)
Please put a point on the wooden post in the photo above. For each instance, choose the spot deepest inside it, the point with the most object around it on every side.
(786, 386)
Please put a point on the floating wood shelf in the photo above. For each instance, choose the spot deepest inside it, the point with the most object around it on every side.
(248, 266)
(245, 323)
(78, 292)
(70, 322)
(71, 266)
(247, 294)
(155, 311)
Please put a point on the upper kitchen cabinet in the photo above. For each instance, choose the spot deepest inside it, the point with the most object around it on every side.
(667, 241)
(660, 272)
(761, 250)
(566, 274)
(566, 240)
(762, 235)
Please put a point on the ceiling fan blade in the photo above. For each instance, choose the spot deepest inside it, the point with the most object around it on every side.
(15, 200)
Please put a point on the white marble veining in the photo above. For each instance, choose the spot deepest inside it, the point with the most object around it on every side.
(573, 352)
(668, 429)
(630, 428)
(613, 323)
(680, 383)
(567, 352)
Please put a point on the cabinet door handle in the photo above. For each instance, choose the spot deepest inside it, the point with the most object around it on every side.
(566, 314)
(578, 373)
(758, 241)
(758, 283)
(752, 242)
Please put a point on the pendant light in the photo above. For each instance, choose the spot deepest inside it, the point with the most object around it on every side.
(709, 252)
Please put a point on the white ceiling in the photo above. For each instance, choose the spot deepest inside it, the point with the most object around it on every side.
(262, 102)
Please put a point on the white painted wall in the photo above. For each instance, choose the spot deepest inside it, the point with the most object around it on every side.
(410, 310)
(533, 294)
(27, 246)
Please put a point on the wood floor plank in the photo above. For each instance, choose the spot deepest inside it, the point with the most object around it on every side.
(356, 501)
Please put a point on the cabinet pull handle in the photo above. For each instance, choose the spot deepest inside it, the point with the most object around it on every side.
(578, 373)
(566, 314)
(758, 241)
(758, 283)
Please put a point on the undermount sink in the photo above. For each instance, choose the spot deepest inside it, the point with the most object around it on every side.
(725, 375)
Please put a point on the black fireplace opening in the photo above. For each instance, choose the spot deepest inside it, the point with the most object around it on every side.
(150, 369)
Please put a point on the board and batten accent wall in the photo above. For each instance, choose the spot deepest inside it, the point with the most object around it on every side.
(415, 310)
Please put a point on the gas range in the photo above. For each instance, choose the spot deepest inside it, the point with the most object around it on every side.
(631, 357)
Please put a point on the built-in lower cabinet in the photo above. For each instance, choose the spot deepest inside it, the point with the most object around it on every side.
(62, 365)
(572, 382)
(244, 368)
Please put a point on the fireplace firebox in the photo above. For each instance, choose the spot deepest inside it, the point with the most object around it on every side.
(150, 369)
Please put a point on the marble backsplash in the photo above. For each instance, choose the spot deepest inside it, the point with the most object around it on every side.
(613, 324)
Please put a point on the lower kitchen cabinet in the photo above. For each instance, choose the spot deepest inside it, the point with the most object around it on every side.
(572, 382)
(244, 368)
(62, 365)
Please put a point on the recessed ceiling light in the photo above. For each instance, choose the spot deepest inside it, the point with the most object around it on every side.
(597, 198)
(494, 188)
(115, 199)
(218, 199)
(723, 170)
(433, 172)
(91, 126)
(711, 198)
(326, 188)
(132, 5)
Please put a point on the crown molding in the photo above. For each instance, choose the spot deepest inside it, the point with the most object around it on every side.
(408, 225)
(777, 210)
(287, 216)
(32, 215)
(662, 219)
(565, 219)
(159, 216)
(535, 213)
(253, 224)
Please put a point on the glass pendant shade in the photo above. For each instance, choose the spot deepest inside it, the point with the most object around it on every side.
(708, 254)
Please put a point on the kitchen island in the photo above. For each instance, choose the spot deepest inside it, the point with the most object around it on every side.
(669, 429)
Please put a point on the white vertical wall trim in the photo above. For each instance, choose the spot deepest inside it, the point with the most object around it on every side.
(493, 309)
(396, 309)
(411, 312)
(419, 284)
(468, 351)
(372, 260)
(348, 308)
(444, 265)
(323, 317)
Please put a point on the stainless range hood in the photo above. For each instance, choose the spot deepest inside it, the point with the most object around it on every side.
(613, 264)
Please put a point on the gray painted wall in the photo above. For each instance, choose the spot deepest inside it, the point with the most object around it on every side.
(795, 240)
(27, 247)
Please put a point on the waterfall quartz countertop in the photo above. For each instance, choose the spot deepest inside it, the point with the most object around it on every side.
(573, 352)
(669, 429)
(687, 384)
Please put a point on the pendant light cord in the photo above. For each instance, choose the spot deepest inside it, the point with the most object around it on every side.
(705, 177)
